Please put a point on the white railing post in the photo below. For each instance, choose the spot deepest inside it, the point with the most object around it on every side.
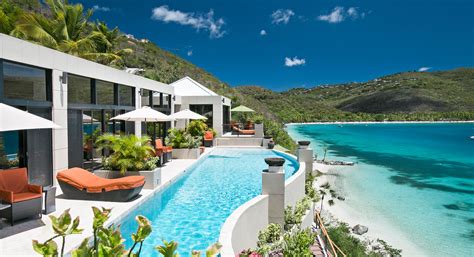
(273, 185)
(305, 154)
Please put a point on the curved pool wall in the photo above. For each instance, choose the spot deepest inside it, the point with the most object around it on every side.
(192, 210)
(240, 230)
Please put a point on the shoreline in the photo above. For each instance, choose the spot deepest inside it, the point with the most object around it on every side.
(343, 212)
(374, 122)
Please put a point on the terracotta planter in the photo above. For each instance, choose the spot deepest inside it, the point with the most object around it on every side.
(152, 177)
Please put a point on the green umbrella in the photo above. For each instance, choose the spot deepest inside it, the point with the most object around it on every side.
(242, 108)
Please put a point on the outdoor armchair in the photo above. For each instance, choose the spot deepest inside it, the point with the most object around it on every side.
(26, 200)
(208, 138)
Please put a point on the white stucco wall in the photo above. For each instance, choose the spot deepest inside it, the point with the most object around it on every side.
(294, 186)
(240, 230)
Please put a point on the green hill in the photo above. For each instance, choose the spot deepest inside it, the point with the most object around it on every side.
(442, 95)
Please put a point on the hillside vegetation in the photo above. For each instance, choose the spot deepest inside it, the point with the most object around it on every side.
(442, 95)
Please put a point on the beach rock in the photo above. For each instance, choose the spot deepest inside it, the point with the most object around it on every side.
(359, 229)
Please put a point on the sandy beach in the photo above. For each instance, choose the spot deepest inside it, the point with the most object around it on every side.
(379, 227)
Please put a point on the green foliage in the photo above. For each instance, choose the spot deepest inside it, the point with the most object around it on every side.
(271, 234)
(197, 128)
(342, 237)
(294, 217)
(64, 27)
(180, 139)
(63, 226)
(280, 136)
(168, 249)
(309, 189)
(129, 153)
(297, 244)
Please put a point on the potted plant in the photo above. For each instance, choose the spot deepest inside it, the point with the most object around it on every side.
(129, 155)
(185, 145)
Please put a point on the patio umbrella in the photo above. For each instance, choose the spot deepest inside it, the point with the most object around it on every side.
(242, 108)
(12, 118)
(87, 119)
(187, 115)
(144, 114)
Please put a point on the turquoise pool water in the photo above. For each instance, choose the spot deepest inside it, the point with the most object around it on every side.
(420, 177)
(192, 210)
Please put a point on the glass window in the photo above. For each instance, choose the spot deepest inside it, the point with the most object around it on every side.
(166, 100)
(126, 95)
(146, 97)
(24, 82)
(204, 110)
(78, 89)
(9, 149)
(105, 92)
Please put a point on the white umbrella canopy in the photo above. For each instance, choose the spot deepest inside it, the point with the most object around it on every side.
(187, 114)
(12, 118)
(144, 114)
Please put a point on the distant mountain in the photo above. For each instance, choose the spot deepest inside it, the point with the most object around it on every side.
(402, 96)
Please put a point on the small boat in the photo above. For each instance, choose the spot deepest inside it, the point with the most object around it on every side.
(472, 137)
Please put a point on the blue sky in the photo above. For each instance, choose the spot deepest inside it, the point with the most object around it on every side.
(305, 43)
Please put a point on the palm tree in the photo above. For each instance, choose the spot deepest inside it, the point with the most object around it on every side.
(108, 51)
(68, 30)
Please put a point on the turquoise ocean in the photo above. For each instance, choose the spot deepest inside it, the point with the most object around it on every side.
(419, 177)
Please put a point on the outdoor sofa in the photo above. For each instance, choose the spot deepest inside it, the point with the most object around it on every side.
(25, 200)
(77, 183)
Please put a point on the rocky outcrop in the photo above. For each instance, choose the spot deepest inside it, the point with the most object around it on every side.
(359, 229)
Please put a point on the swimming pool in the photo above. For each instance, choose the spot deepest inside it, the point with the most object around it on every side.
(192, 210)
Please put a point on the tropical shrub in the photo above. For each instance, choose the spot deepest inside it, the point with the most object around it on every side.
(298, 243)
(180, 139)
(107, 241)
(294, 217)
(271, 234)
(197, 128)
(128, 153)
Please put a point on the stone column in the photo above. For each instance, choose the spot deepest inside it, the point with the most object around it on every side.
(59, 115)
(138, 104)
(305, 154)
(273, 185)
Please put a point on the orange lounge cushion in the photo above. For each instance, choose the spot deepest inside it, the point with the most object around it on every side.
(19, 197)
(247, 131)
(83, 179)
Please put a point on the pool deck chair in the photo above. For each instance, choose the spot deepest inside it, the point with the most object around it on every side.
(77, 183)
(208, 138)
(165, 152)
(25, 200)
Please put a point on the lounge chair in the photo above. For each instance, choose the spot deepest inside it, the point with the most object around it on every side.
(26, 200)
(208, 138)
(77, 183)
(165, 152)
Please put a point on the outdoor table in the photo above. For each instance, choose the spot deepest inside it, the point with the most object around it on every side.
(49, 199)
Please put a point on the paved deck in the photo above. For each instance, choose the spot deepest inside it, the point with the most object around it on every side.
(20, 244)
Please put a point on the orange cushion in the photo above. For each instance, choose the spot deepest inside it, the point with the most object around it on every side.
(19, 197)
(14, 180)
(247, 131)
(83, 179)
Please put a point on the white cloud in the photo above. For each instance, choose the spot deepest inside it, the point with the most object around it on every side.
(98, 8)
(263, 32)
(339, 14)
(290, 62)
(189, 53)
(424, 69)
(197, 21)
(282, 16)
